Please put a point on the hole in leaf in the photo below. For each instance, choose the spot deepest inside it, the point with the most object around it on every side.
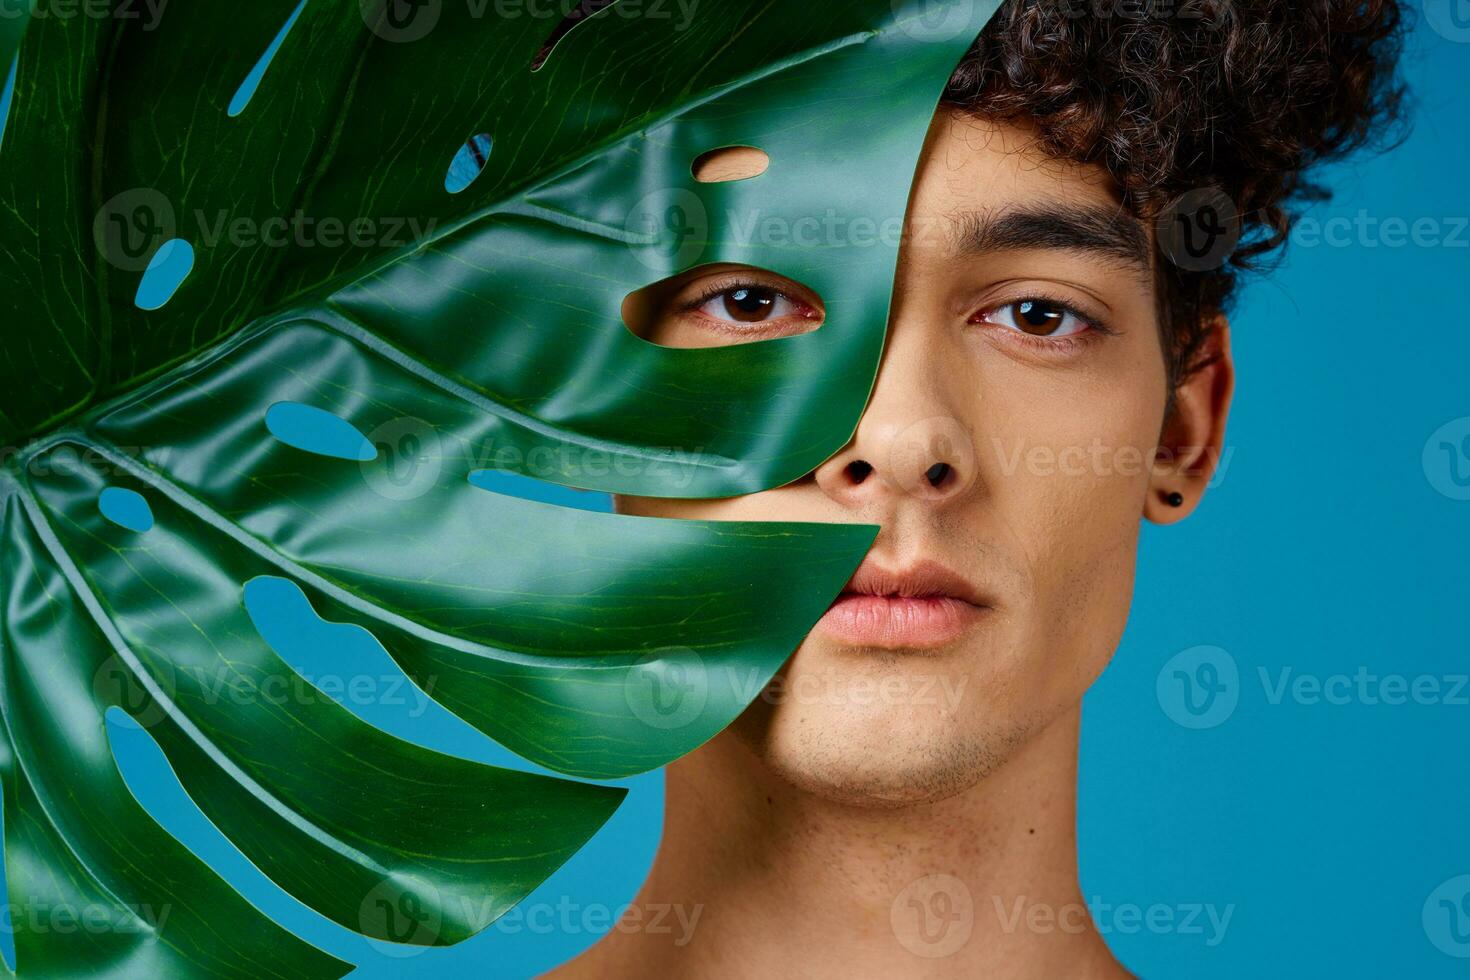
(125, 508)
(574, 17)
(6, 96)
(150, 776)
(721, 305)
(341, 662)
(315, 430)
(252, 81)
(166, 272)
(468, 163)
(529, 488)
(730, 163)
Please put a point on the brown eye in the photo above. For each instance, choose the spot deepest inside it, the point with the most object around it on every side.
(722, 304)
(750, 304)
(1038, 317)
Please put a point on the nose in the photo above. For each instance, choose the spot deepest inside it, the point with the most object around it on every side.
(912, 442)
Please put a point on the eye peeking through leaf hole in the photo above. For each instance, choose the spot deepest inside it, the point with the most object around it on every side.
(468, 163)
(730, 163)
(721, 305)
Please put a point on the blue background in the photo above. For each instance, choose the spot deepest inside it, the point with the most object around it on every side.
(1332, 545)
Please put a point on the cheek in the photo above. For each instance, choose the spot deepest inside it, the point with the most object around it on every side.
(1069, 449)
(1066, 466)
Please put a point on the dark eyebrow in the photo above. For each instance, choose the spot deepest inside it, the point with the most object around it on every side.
(1074, 228)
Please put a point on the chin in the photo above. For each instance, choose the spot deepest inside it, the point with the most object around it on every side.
(879, 729)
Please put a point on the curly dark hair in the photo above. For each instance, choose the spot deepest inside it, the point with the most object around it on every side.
(1243, 96)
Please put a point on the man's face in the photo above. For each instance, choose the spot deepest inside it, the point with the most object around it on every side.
(1024, 358)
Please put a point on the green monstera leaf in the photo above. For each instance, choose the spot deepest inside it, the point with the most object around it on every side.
(430, 326)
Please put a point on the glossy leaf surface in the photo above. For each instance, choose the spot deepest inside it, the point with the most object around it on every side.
(332, 269)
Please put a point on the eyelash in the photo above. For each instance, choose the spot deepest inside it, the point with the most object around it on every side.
(719, 288)
(728, 286)
(1096, 328)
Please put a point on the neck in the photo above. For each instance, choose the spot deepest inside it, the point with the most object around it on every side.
(766, 879)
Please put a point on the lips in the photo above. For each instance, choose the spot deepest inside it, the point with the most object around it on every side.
(923, 606)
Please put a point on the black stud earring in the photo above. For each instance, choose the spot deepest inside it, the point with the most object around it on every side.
(1175, 499)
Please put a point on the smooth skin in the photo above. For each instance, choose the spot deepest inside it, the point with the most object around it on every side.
(806, 837)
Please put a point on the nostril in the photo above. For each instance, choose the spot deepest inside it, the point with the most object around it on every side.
(938, 474)
(858, 470)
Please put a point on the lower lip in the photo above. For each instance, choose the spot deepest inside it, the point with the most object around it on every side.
(898, 621)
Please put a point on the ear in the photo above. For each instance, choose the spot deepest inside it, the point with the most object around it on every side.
(1193, 438)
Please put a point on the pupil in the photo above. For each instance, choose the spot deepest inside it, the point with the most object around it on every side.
(750, 305)
(1038, 317)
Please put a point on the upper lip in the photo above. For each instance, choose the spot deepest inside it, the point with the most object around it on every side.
(922, 579)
